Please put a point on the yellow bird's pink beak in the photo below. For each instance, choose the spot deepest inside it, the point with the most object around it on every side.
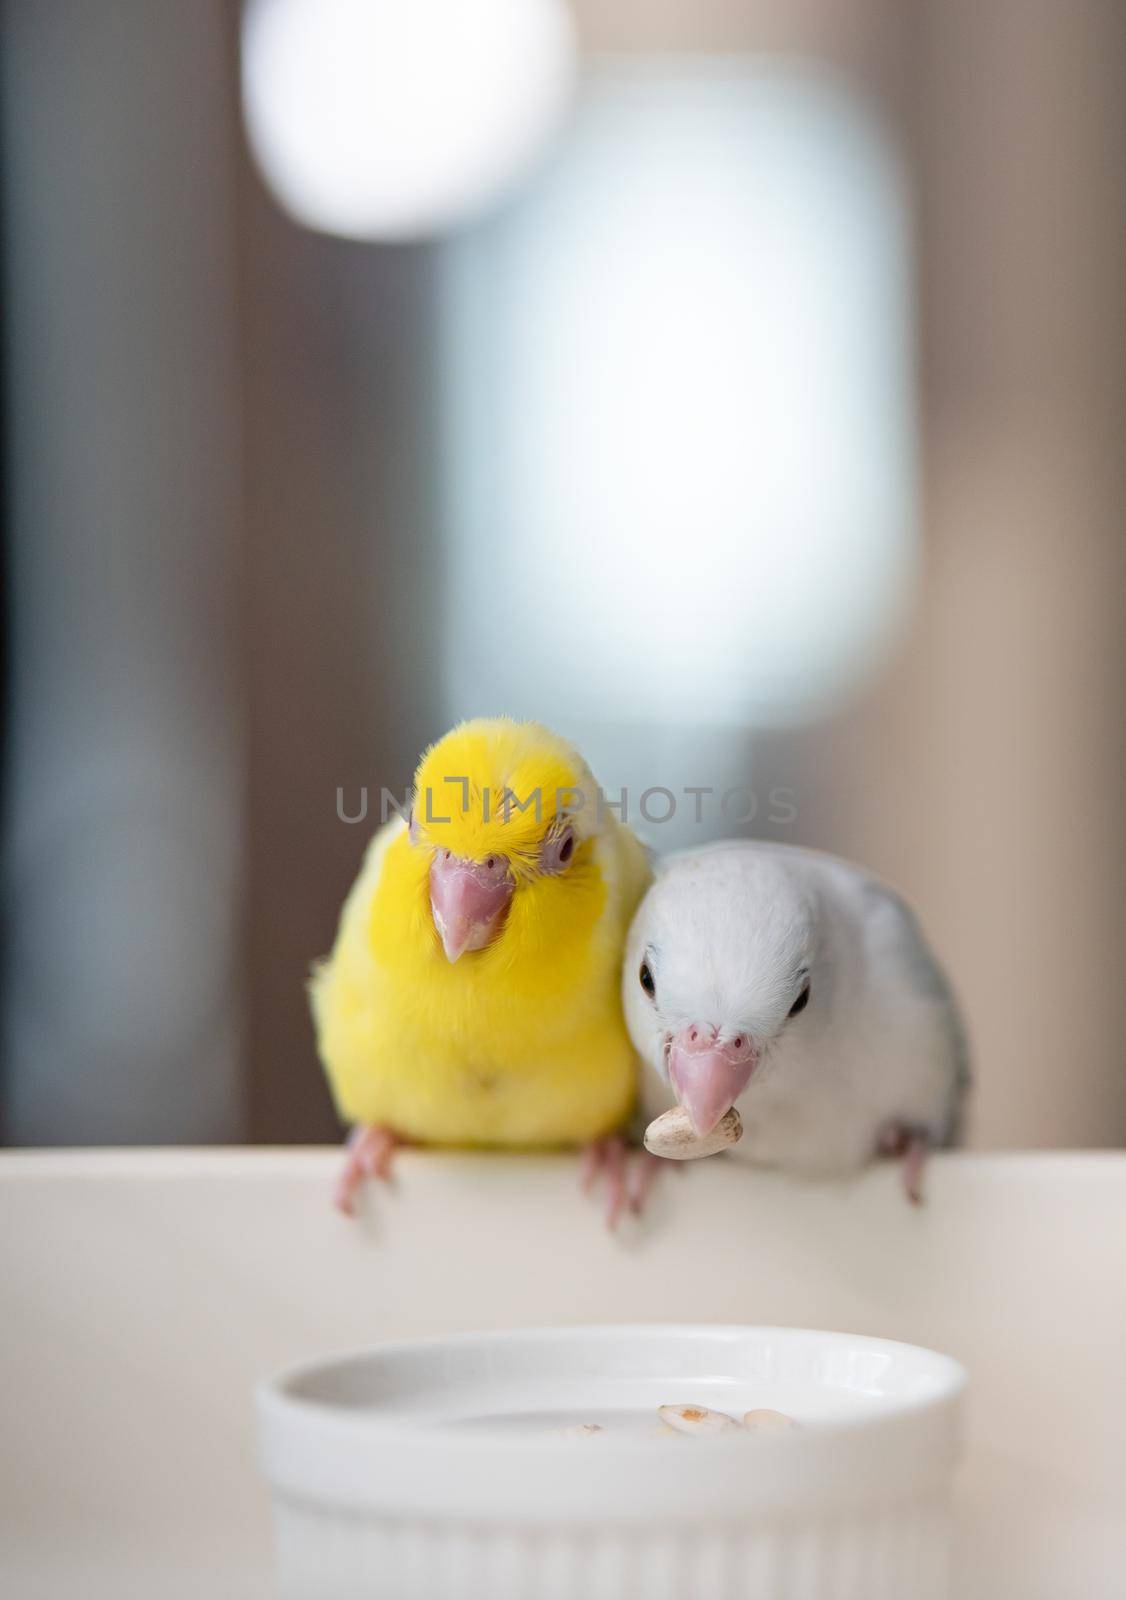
(468, 900)
(708, 1073)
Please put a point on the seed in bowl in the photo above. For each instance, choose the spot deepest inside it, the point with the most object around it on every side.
(579, 1430)
(672, 1135)
(696, 1419)
(763, 1420)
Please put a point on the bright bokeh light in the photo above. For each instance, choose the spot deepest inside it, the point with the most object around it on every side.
(680, 419)
(393, 119)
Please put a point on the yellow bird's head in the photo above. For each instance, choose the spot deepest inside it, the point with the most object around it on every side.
(505, 809)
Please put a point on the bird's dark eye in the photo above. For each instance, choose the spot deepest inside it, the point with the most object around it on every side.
(557, 850)
(645, 979)
(801, 1002)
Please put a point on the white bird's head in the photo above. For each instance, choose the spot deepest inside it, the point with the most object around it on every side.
(719, 962)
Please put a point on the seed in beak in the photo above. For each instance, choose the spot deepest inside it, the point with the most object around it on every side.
(673, 1136)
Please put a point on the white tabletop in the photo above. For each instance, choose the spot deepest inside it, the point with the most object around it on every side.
(145, 1291)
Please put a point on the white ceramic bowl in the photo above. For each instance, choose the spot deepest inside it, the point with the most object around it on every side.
(434, 1469)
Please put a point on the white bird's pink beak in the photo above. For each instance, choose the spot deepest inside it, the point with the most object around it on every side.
(708, 1073)
(468, 900)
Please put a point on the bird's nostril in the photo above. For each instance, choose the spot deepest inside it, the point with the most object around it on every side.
(694, 1035)
(738, 1041)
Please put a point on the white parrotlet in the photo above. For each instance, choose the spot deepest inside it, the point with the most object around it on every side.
(802, 989)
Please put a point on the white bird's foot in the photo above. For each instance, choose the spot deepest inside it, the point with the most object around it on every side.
(914, 1163)
(913, 1145)
(370, 1150)
(627, 1175)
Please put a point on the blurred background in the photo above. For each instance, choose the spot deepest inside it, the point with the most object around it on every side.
(739, 387)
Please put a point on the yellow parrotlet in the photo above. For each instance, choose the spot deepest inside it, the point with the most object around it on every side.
(473, 993)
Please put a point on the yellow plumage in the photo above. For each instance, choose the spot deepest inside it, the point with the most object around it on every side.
(523, 1042)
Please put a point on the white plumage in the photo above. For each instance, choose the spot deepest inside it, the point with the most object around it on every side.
(732, 935)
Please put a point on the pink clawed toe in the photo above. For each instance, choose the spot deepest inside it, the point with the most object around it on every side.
(913, 1145)
(627, 1176)
(370, 1151)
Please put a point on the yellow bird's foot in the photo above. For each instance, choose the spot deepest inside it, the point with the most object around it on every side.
(627, 1176)
(369, 1156)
